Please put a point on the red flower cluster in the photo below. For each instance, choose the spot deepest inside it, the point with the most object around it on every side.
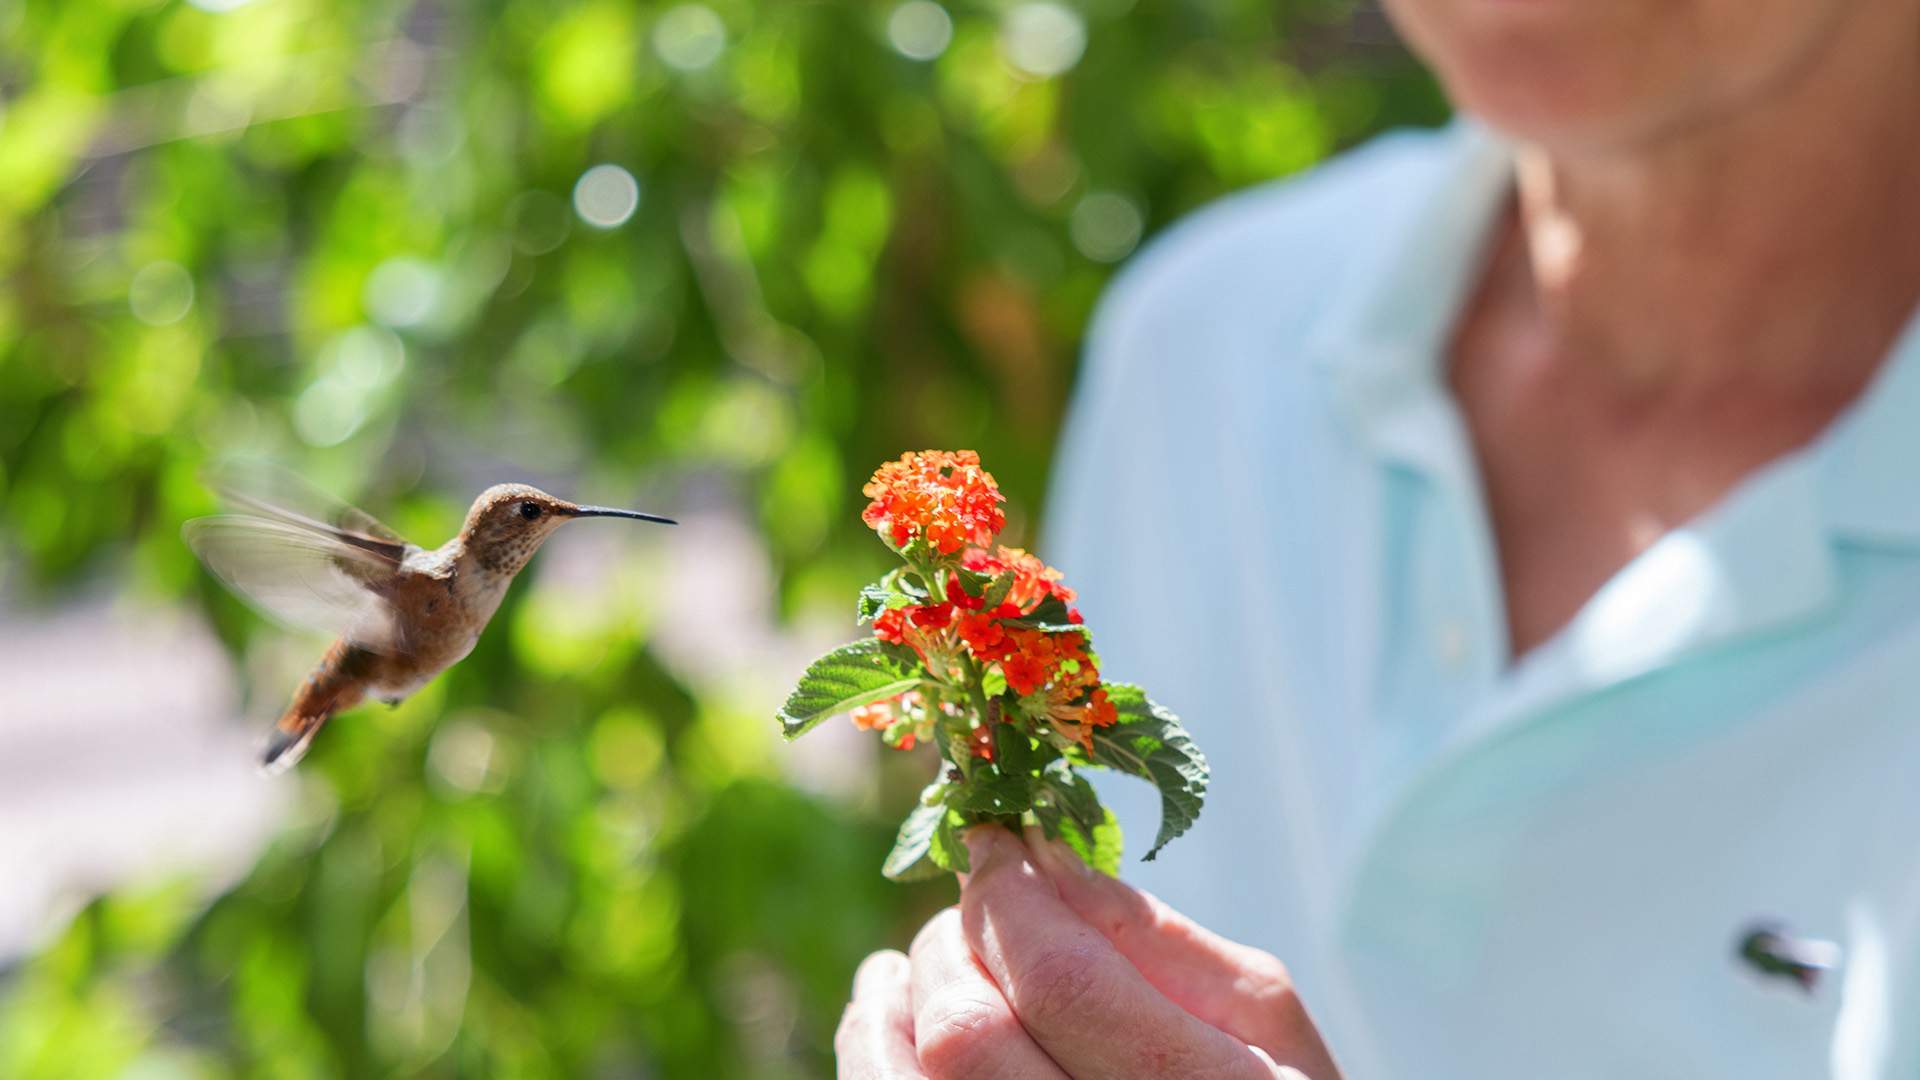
(941, 496)
(1033, 581)
(1049, 672)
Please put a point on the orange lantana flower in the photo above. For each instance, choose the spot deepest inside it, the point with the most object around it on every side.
(1033, 581)
(1036, 657)
(885, 713)
(984, 636)
(1078, 719)
(941, 496)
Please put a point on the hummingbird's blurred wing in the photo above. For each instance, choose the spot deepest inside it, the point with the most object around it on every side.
(308, 575)
(303, 557)
(269, 491)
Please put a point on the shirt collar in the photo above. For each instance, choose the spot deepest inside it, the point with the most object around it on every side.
(1380, 351)
(1761, 559)
(1380, 345)
(1866, 459)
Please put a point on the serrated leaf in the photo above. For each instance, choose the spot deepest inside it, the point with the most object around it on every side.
(850, 675)
(1069, 792)
(1099, 847)
(1013, 751)
(1070, 811)
(990, 792)
(909, 860)
(946, 850)
(1148, 742)
(873, 601)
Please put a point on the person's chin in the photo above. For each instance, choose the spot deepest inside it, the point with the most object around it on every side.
(1538, 98)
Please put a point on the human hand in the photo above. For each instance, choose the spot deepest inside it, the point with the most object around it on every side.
(1049, 969)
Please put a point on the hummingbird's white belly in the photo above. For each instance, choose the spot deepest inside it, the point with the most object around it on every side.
(394, 690)
(403, 683)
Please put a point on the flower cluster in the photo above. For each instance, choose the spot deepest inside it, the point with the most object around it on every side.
(982, 613)
(978, 651)
(941, 497)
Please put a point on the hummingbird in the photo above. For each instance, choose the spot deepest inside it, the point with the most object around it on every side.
(401, 614)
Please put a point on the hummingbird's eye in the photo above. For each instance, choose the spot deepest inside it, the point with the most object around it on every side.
(529, 510)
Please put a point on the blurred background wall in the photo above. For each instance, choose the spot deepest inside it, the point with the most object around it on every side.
(715, 259)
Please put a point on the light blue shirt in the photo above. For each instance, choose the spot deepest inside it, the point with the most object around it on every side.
(1475, 868)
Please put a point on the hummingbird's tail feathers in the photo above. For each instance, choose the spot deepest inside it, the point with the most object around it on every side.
(287, 743)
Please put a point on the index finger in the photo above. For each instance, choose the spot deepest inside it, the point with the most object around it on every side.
(1089, 1008)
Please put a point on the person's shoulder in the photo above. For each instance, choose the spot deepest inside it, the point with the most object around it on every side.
(1281, 247)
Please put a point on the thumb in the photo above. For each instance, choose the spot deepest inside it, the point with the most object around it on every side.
(1241, 990)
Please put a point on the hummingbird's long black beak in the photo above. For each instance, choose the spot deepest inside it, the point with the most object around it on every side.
(608, 511)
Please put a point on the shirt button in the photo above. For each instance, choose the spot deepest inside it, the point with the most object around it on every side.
(1450, 643)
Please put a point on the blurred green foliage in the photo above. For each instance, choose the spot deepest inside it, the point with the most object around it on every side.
(363, 237)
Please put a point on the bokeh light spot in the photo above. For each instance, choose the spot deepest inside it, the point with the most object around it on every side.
(403, 291)
(430, 134)
(462, 755)
(355, 369)
(1043, 39)
(606, 196)
(1105, 226)
(689, 37)
(161, 293)
(920, 29)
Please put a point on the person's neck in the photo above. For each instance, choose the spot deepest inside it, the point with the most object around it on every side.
(1781, 242)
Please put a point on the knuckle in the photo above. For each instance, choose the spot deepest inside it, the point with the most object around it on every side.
(878, 969)
(961, 1037)
(846, 1037)
(1060, 987)
(945, 924)
(1266, 977)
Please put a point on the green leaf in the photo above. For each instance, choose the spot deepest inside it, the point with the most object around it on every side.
(991, 792)
(1051, 613)
(910, 859)
(997, 590)
(1069, 810)
(850, 675)
(1099, 847)
(1068, 792)
(972, 582)
(873, 601)
(891, 591)
(1014, 753)
(1149, 742)
(946, 850)
(994, 682)
(1053, 616)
